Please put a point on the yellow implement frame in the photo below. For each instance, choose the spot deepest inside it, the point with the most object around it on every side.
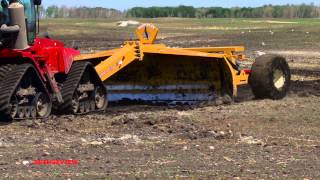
(112, 61)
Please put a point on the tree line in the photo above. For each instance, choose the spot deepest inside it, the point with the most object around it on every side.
(267, 11)
(79, 12)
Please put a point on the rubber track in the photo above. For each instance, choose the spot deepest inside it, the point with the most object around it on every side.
(11, 75)
(4, 69)
(71, 84)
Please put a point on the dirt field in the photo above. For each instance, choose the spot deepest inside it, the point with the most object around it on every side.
(248, 139)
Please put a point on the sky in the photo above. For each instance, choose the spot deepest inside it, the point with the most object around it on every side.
(126, 4)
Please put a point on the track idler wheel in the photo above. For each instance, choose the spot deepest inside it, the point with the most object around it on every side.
(43, 106)
(21, 113)
(270, 77)
(100, 98)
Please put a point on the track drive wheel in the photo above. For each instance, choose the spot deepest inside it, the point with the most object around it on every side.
(270, 77)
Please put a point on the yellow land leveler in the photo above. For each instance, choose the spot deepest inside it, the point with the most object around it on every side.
(144, 71)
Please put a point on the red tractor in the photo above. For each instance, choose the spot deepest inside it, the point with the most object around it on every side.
(38, 74)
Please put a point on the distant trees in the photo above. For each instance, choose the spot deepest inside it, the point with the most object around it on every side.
(267, 11)
(80, 12)
(153, 12)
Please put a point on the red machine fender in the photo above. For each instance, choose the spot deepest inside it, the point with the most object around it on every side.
(58, 58)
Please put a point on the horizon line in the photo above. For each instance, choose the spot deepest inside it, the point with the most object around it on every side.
(294, 4)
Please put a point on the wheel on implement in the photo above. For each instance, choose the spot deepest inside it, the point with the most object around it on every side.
(270, 77)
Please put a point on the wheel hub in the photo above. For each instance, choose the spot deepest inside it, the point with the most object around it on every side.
(279, 79)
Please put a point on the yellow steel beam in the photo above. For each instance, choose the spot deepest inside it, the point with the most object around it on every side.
(217, 49)
(147, 33)
(118, 61)
(214, 52)
(162, 49)
(102, 54)
(238, 77)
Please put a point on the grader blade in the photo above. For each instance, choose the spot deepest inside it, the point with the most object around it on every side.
(144, 71)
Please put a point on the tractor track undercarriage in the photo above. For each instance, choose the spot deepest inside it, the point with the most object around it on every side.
(23, 94)
(83, 91)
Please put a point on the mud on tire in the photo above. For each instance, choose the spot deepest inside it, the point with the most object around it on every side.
(270, 77)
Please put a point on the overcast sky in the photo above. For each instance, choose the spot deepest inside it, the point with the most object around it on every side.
(126, 4)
